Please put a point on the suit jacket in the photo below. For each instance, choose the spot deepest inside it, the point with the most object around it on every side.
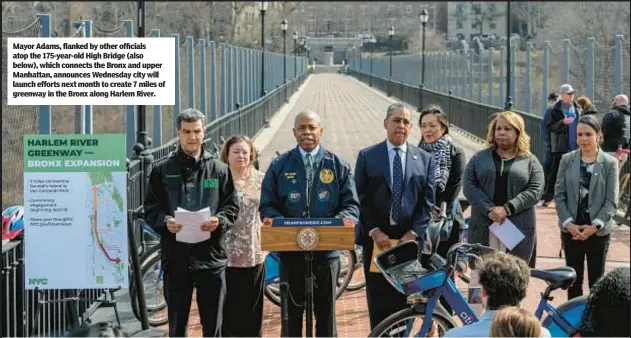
(374, 188)
(603, 190)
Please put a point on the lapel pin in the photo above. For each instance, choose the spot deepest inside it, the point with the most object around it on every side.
(414, 157)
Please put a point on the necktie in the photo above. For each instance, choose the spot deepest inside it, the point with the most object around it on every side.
(397, 185)
(309, 172)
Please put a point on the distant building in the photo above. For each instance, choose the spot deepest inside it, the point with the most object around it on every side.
(472, 18)
(352, 19)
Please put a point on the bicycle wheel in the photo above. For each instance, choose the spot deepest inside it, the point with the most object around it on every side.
(358, 280)
(404, 323)
(152, 282)
(572, 311)
(272, 291)
(132, 282)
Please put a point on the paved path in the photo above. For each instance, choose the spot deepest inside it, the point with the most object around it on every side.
(353, 119)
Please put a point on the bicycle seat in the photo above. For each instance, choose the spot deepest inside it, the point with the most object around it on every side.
(556, 277)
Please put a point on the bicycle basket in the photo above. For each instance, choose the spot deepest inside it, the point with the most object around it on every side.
(402, 269)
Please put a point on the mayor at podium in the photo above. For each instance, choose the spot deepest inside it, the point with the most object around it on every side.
(309, 182)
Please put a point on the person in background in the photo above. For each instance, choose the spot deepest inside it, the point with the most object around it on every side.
(245, 274)
(514, 321)
(616, 127)
(504, 181)
(586, 196)
(504, 279)
(451, 161)
(608, 307)
(562, 125)
(192, 179)
(547, 151)
(586, 105)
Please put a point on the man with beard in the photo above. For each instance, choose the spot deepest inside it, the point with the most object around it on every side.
(309, 182)
(396, 187)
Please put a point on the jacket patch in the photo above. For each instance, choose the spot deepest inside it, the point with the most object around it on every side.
(323, 195)
(326, 176)
(211, 183)
(294, 196)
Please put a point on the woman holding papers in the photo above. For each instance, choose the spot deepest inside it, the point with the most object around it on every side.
(503, 184)
(586, 197)
(245, 274)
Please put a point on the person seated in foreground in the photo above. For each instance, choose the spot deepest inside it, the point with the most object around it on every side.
(514, 321)
(504, 279)
(608, 307)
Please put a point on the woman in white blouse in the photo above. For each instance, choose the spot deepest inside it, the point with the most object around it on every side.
(245, 274)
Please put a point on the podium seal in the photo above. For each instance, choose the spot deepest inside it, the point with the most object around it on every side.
(308, 238)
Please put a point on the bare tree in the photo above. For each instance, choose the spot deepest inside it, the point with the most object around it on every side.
(580, 21)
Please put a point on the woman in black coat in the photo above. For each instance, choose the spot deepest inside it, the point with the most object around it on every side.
(450, 164)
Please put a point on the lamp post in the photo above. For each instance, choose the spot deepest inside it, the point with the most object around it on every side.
(283, 26)
(509, 104)
(295, 63)
(391, 35)
(423, 17)
(361, 45)
(262, 6)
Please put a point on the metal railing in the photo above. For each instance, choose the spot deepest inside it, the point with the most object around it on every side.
(232, 103)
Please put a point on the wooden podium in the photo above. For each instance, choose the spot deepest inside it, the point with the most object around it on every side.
(307, 234)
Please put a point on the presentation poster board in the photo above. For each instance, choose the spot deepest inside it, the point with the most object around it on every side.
(75, 206)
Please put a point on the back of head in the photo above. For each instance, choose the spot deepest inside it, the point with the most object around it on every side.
(608, 307)
(513, 321)
(621, 101)
(505, 279)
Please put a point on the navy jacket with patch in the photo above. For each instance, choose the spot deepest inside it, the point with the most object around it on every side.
(283, 193)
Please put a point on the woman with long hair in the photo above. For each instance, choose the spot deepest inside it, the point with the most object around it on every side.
(504, 181)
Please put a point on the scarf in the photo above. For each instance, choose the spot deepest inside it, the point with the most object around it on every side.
(442, 157)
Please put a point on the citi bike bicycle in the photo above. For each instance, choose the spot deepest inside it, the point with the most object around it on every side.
(424, 286)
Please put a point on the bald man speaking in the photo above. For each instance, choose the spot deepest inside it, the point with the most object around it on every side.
(309, 182)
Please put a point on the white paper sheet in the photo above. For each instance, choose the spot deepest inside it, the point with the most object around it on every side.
(191, 222)
(507, 233)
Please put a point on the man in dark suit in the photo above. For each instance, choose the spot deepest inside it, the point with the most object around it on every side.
(309, 182)
(396, 188)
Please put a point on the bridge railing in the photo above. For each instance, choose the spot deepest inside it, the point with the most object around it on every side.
(596, 69)
(211, 77)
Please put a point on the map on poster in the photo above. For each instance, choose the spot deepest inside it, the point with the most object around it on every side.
(75, 211)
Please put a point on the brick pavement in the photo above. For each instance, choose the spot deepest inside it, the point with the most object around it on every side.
(353, 115)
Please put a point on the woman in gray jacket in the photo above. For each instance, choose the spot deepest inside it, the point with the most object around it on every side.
(504, 181)
(586, 197)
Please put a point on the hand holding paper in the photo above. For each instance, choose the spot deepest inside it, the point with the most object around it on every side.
(191, 222)
(210, 225)
(507, 233)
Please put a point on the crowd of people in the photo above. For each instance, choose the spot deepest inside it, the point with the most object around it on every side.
(392, 194)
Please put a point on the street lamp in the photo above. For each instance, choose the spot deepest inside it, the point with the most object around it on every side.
(391, 35)
(423, 17)
(283, 26)
(509, 104)
(262, 6)
(295, 63)
(361, 45)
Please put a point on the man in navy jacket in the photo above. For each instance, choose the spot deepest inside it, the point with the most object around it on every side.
(309, 182)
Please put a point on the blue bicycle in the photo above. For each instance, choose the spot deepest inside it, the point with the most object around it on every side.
(425, 285)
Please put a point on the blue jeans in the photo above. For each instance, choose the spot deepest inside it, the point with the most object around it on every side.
(547, 159)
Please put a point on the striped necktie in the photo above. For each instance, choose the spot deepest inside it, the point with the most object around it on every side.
(309, 172)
